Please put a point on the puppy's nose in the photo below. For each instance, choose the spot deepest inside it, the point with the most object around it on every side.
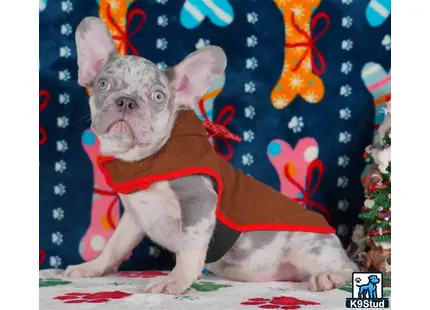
(126, 104)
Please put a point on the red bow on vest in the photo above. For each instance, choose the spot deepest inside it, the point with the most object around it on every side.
(218, 130)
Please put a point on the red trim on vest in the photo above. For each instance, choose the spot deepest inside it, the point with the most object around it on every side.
(143, 183)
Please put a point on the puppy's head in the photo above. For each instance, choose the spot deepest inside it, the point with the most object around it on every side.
(374, 279)
(133, 104)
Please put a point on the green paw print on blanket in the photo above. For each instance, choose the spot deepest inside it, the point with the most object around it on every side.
(208, 286)
(52, 282)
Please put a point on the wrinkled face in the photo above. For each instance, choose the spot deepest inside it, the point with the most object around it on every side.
(134, 104)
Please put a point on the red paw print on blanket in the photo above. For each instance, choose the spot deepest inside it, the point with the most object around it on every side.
(100, 297)
(105, 205)
(141, 274)
(281, 302)
(297, 169)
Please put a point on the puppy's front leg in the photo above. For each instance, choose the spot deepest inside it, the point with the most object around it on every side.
(125, 237)
(198, 200)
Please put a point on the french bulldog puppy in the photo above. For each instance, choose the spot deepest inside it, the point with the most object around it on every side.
(133, 108)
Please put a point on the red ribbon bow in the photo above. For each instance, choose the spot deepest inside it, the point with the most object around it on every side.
(43, 94)
(109, 215)
(124, 36)
(218, 129)
(310, 42)
(308, 192)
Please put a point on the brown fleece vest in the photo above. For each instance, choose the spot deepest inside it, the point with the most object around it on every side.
(244, 204)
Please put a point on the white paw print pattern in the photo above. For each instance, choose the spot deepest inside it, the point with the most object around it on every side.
(342, 230)
(202, 43)
(154, 251)
(57, 238)
(63, 98)
(55, 261)
(252, 17)
(345, 90)
(248, 136)
(163, 2)
(247, 159)
(251, 63)
(162, 21)
(348, 2)
(250, 112)
(62, 122)
(343, 161)
(296, 124)
(65, 52)
(347, 22)
(343, 205)
(347, 44)
(345, 113)
(344, 137)
(64, 75)
(162, 66)
(342, 182)
(59, 189)
(62, 146)
(58, 214)
(66, 6)
(161, 44)
(60, 166)
(251, 41)
(386, 42)
(66, 29)
(249, 87)
(346, 67)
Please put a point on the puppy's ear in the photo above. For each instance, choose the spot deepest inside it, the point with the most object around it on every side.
(191, 78)
(94, 47)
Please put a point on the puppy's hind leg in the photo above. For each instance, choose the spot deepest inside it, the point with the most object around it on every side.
(323, 258)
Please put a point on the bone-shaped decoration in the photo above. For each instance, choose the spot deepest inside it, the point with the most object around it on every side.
(105, 211)
(297, 77)
(281, 153)
(377, 12)
(219, 12)
(118, 11)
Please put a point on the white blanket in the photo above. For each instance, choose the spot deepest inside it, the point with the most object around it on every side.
(124, 291)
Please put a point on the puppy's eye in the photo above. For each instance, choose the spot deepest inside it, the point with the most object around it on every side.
(157, 97)
(104, 85)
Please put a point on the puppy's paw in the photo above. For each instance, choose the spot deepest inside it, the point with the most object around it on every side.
(326, 281)
(85, 270)
(172, 284)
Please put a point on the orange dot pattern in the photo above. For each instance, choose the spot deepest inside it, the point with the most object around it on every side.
(302, 81)
(290, 169)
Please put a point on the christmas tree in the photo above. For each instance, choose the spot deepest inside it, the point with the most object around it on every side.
(376, 212)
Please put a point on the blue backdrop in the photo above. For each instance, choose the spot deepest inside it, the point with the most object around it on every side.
(351, 57)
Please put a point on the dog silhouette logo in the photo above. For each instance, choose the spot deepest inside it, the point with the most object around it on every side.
(367, 291)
